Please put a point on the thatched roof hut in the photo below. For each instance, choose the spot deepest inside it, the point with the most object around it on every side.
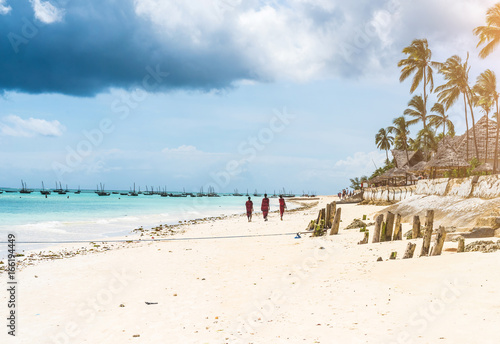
(403, 160)
(447, 158)
(420, 167)
(485, 130)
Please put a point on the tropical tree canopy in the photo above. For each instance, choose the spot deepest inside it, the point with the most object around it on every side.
(418, 63)
(384, 141)
(438, 118)
(489, 35)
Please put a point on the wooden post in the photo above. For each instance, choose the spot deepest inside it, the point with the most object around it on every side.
(410, 249)
(327, 216)
(319, 217)
(397, 228)
(393, 255)
(438, 245)
(400, 232)
(336, 222)
(323, 217)
(333, 211)
(415, 231)
(389, 226)
(382, 231)
(378, 227)
(365, 239)
(461, 244)
(429, 222)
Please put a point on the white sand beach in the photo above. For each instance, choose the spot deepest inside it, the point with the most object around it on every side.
(261, 289)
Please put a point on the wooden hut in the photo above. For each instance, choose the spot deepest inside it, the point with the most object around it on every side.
(445, 160)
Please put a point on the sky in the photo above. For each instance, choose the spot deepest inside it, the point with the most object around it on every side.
(227, 93)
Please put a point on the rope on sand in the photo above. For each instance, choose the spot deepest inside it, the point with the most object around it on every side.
(154, 240)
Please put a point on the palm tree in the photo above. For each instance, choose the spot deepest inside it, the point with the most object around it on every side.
(400, 129)
(441, 119)
(456, 75)
(418, 62)
(426, 140)
(484, 92)
(489, 34)
(416, 109)
(384, 141)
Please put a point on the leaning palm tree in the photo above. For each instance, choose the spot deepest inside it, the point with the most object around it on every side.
(456, 75)
(487, 96)
(383, 140)
(489, 34)
(418, 63)
(416, 109)
(440, 118)
(401, 134)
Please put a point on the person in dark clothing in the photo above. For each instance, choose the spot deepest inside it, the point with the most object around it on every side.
(265, 207)
(249, 205)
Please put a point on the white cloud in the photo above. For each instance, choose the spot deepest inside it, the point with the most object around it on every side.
(4, 9)
(182, 149)
(307, 39)
(13, 125)
(46, 12)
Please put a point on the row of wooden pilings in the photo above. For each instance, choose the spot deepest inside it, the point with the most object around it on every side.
(391, 229)
(328, 218)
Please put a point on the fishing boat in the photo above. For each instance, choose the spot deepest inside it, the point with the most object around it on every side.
(211, 192)
(256, 194)
(236, 193)
(101, 192)
(24, 189)
(132, 192)
(200, 194)
(60, 190)
(149, 193)
(1, 192)
(78, 191)
(43, 191)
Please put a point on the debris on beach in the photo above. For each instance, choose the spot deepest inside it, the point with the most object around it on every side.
(485, 246)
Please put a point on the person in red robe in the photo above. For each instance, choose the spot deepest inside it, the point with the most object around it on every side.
(282, 206)
(265, 207)
(249, 205)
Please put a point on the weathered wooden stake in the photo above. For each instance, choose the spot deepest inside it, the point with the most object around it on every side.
(382, 232)
(336, 222)
(415, 231)
(410, 249)
(400, 233)
(429, 222)
(393, 255)
(378, 227)
(461, 244)
(333, 211)
(438, 245)
(389, 226)
(397, 228)
(327, 216)
(365, 239)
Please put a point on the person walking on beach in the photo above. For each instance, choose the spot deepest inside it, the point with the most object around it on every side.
(265, 207)
(282, 206)
(249, 205)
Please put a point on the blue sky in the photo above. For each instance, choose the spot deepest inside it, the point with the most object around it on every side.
(230, 93)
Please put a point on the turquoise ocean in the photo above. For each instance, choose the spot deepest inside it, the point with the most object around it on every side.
(87, 216)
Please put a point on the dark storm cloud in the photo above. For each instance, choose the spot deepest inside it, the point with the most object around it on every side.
(98, 45)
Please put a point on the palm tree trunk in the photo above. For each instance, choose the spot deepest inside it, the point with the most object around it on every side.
(386, 156)
(473, 126)
(486, 145)
(467, 128)
(495, 158)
